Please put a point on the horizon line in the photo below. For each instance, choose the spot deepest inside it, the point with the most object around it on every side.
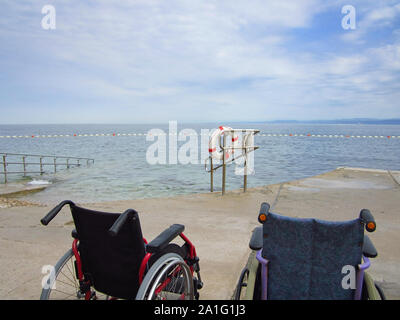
(222, 121)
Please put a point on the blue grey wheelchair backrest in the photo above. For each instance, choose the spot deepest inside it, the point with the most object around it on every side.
(307, 256)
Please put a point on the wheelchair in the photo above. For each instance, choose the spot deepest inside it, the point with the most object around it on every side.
(309, 259)
(110, 259)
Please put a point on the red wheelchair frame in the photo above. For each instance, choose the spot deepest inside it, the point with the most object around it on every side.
(85, 285)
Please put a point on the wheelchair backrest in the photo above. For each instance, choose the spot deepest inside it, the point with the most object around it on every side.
(111, 263)
(307, 256)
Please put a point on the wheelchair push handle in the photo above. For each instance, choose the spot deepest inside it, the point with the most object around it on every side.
(119, 223)
(368, 219)
(264, 210)
(53, 212)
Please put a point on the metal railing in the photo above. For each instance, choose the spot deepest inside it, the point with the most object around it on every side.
(224, 147)
(37, 160)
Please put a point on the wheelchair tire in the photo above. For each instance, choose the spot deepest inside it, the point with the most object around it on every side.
(169, 278)
(51, 286)
(380, 291)
(62, 283)
(241, 283)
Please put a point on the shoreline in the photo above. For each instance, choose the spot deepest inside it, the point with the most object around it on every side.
(219, 226)
(19, 192)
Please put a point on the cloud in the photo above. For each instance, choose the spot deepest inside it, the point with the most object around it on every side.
(158, 60)
(384, 15)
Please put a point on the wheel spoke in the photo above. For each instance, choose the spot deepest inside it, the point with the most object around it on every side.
(66, 293)
(71, 280)
(68, 284)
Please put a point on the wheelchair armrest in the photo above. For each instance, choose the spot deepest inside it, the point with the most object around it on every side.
(368, 248)
(256, 241)
(164, 238)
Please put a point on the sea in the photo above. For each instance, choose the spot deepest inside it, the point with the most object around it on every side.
(122, 170)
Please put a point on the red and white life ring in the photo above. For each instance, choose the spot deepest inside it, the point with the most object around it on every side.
(214, 143)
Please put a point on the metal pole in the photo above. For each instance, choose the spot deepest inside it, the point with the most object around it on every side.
(212, 175)
(245, 170)
(41, 165)
(223, 166)
(78, 163)
(67, 163)
(5, 169)
(55, 165)
(24, 164)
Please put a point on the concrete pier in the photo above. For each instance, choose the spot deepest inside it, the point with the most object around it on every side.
(220, 227)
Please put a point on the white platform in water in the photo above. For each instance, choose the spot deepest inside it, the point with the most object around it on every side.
(15, 189)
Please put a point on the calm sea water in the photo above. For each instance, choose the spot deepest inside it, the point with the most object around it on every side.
(121, 171)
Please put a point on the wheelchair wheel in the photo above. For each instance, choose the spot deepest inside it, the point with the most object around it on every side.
(241, 283)
(169, 278)
(62, 283)
(248, 286)
(380, 291)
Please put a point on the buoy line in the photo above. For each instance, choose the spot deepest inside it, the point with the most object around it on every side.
(75, 135)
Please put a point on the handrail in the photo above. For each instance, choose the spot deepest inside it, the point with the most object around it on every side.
(249, 149)
(42, 156)
(4, 163)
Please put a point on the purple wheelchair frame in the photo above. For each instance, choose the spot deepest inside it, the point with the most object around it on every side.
(264, 276)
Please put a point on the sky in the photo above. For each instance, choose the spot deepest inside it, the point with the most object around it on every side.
(150, 61)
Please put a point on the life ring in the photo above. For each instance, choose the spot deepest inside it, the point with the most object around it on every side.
(215, 152)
